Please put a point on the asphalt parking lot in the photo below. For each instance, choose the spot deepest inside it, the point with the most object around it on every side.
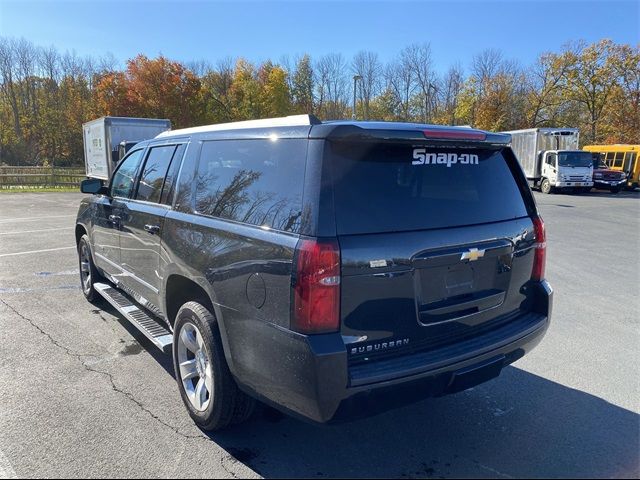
(83, 394)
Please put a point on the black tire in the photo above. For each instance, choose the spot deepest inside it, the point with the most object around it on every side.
(545, 186)
(614, 189)
(89, 274)
(227, 405)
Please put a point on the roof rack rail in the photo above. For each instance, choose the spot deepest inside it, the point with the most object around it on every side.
(290, 121)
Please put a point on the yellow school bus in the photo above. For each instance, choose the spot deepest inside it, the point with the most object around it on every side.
(621, 157)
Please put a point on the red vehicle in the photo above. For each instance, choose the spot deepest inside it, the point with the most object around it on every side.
(606, 178)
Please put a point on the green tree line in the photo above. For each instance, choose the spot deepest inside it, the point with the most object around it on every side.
(46, 95)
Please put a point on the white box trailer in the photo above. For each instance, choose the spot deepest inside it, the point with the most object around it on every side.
(528, 145)
(102, 138)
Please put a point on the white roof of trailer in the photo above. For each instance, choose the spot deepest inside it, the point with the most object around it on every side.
(543, 130)
(290, 121)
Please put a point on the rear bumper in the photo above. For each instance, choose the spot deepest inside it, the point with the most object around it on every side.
(314, 381)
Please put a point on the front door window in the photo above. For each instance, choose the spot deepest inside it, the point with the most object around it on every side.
(124, 177)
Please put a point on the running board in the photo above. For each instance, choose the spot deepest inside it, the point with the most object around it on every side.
(158, 334)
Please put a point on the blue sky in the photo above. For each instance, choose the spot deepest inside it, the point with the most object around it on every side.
(193, 30)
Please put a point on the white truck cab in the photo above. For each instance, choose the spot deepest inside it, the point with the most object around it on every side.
(551, 160)
(565, 169)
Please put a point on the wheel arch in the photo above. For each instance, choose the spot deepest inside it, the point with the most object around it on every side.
(180, 289)
(80, 231)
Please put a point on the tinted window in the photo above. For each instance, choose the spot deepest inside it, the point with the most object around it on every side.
(124, 177)
(172, 175)
(388, 188)
(153, 173)
(252, 181)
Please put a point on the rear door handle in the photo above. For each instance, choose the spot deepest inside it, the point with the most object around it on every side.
(152, 229)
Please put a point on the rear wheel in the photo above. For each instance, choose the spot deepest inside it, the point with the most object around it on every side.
(88, 272)
(545, 186)
(207, 388)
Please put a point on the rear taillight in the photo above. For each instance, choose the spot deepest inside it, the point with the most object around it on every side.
(454, 134)
(316, 287)
(540, 249)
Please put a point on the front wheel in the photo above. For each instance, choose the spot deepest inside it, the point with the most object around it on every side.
(206, 386)
(545, 186)
(88, 272)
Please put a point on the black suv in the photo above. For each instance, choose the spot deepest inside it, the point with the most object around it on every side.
(329, 269)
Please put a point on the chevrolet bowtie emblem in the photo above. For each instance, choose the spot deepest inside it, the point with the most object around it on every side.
(472, 255)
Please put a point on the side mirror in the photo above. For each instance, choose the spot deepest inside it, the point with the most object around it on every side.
(93, 186)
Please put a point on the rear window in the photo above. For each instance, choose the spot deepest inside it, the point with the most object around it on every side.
(402, 187)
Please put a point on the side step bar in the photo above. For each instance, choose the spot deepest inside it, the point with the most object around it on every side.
(158, 334)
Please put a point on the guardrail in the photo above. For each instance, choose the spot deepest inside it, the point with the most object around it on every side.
(40, 177)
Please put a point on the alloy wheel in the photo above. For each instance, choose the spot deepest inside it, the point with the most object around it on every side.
(195, 368)
(85, 268)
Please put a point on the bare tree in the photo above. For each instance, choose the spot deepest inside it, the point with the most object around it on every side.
(450, 87)
(418, 58)
(7, 79)
(486, 64)
(367, 66)
(199, 67)
(49, 60)
(332, 84)
(26, 57)
(107, 63)
(399, 79)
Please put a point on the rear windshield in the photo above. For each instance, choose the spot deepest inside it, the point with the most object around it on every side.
(402, 187)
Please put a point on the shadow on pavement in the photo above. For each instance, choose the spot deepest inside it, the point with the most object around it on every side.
(517, 425)
(165, 361)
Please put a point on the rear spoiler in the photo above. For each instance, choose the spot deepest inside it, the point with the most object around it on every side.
(385, 132)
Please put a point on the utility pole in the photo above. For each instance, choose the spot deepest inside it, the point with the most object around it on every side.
(355, 85)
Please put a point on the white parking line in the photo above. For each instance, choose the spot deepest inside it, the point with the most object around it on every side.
(36, 231)
(33, 218)
(36, 251)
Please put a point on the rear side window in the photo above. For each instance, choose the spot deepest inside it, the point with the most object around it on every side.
(153, 173)
(252, 181)
(402, 187)
(172, 175)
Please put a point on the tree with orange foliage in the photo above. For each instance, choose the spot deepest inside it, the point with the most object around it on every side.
(111, 95)
(160, 88)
